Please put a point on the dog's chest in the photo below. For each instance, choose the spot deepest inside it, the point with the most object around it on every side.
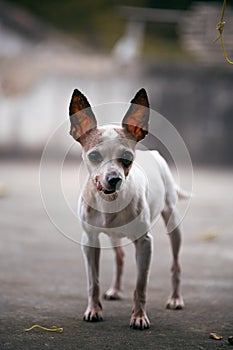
(130, 222)
(113, 220)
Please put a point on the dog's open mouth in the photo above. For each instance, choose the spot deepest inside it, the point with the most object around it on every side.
(100, 188)
(109, 192)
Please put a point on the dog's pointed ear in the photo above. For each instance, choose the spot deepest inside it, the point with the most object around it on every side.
(82, 118)
(136, 120)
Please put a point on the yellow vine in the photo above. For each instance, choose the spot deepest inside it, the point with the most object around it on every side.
(220, 27)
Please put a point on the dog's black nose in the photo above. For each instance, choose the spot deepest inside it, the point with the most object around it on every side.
(114, 181)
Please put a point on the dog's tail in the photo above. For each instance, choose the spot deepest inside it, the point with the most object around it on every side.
(182, 194)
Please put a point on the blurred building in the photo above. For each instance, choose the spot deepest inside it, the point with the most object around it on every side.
(40, 67)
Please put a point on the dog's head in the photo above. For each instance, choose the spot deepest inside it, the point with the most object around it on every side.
(109, 151)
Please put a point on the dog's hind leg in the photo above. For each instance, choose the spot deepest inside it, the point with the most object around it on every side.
(114, 292)
(171, 219)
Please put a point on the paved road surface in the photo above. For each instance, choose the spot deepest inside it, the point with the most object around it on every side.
(42, 278)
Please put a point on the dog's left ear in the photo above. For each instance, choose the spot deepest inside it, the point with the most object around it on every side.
(135, 122)
(82, 118)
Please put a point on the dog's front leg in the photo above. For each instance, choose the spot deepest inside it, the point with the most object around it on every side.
(114, 292)
(91, 252)
(139, 319)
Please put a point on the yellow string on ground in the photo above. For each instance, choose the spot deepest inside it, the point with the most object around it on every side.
(52, 329)
(220, 27)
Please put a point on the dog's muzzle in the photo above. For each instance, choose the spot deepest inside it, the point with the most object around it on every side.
(114, 183)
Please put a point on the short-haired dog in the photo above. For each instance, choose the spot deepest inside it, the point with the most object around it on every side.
(121, 200)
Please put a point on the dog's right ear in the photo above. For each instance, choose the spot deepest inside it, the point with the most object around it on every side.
(82, 118)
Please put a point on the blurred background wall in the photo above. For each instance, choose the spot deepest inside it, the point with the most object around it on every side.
(109, 50)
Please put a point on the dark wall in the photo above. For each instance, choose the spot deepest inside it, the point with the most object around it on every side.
(199, 103)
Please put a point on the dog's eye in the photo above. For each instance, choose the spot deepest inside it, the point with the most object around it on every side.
(126, 158)
(95, 157)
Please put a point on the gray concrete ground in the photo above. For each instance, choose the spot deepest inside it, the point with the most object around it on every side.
(42, 277)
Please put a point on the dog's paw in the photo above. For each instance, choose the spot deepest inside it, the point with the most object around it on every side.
(175, 303)
(93, 314)
(139, 322)
(112, 294)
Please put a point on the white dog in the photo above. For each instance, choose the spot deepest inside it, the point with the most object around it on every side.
(121, 201)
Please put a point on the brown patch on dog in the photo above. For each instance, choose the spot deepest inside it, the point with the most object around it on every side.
(127, 169)
(82, 117)
(137, 132)
(91, 139)
(136, 119)
(129, 142)
(81, 125)
(78, 102)
(127, 139)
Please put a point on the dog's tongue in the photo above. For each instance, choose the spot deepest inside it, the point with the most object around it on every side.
(99, 186)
